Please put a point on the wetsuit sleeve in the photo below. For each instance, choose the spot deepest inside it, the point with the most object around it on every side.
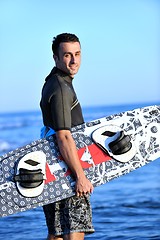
(60, 104)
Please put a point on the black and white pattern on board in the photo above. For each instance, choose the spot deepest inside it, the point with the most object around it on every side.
(143, 125)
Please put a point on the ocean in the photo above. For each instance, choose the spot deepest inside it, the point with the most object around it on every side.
(127, 208)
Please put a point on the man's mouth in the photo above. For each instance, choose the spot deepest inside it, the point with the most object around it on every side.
(73, 67)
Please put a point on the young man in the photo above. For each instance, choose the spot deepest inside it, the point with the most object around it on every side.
(68, 219)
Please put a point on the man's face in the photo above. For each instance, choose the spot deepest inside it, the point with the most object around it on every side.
(69, 58)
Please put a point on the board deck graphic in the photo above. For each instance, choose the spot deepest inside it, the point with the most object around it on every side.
(100, 165)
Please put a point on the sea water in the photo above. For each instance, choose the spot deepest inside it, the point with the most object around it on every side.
(127, 208)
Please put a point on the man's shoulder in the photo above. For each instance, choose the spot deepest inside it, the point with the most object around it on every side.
(56, 81)
(51, 76)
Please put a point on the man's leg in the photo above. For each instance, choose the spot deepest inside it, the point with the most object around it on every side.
(71, 236)
(50, 212)
(70, 215)
(74, 236)
(52, 237)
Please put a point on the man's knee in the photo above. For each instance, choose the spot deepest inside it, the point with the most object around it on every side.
(74, 236)
(52, 237)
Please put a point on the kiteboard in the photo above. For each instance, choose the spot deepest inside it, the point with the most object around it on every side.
(36, 174)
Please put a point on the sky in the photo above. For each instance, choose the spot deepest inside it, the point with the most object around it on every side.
(120, 50)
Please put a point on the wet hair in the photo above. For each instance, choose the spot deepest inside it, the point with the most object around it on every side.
(63, 37)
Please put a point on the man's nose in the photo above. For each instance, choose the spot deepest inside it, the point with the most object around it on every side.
(73, 59)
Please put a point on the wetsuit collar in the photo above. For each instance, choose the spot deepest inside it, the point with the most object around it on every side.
(62, 74)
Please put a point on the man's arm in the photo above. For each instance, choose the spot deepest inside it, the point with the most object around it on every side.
(68, 151)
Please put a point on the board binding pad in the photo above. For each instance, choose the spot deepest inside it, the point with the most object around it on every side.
(115, 142)
(142, 125)
(30, 174)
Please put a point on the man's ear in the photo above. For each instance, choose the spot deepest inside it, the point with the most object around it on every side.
(55, 58)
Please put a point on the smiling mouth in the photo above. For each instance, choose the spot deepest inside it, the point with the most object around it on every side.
(73, 68)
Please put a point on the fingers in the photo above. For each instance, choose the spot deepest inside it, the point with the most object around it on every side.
(92, 188)
(83, 187)
(81, 193)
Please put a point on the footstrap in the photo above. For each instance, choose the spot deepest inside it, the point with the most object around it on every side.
(29, 178)
(115, 141)
(121, 145)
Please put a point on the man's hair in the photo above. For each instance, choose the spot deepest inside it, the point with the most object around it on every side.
(63, 37)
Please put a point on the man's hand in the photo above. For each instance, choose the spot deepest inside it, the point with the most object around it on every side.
(83, 186)
(68, 150)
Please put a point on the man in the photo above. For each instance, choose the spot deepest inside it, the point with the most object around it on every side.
(68, 219)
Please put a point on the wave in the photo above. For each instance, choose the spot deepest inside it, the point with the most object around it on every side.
(19, 120)
(8, 126)
(4, 146)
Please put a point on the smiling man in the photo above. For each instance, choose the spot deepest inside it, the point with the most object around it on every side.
(68, 58)
(71, 218)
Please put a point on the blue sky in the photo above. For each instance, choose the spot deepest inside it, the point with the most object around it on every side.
(120, 50)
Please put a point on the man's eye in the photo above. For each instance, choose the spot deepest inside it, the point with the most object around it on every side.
(66, 55)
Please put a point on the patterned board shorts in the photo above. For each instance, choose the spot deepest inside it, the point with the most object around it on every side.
(69, 215)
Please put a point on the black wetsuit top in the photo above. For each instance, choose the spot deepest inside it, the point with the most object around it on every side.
(59, 104)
